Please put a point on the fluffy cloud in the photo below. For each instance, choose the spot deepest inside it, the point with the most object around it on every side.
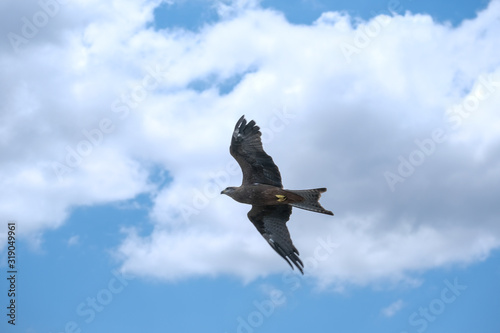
(396, 116)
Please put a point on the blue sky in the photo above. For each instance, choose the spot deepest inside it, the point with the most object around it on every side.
(194, 14)
(131, 237)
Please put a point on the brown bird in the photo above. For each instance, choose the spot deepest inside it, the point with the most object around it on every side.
(262, 188)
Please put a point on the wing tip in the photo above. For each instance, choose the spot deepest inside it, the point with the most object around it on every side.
(244, 128)
(241, 121)
(296, 261)
(300, 267)
(290, 258)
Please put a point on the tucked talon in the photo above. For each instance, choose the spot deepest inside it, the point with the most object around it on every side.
(281, 197)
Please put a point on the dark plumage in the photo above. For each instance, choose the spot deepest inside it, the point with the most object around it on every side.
(262, 188)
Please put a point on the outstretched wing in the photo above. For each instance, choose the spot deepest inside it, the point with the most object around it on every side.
(271, 223)
(246, 148)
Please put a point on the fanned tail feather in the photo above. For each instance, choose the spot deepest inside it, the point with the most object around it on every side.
(311, 200)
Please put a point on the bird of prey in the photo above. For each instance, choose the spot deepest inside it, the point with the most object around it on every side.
(262, 188)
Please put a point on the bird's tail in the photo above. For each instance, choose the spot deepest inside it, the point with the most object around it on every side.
(311, 200)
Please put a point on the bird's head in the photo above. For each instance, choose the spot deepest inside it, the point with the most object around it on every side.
(228, 190)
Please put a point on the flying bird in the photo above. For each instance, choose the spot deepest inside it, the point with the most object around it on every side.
(262, 188)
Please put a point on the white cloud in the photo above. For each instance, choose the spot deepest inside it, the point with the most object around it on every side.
(74, 240)
(393, 308)
(331, 119)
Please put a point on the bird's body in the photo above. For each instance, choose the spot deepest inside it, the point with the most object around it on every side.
(263, 194)
(262, 188)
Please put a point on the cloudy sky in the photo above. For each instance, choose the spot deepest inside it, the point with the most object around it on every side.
(115, 124)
